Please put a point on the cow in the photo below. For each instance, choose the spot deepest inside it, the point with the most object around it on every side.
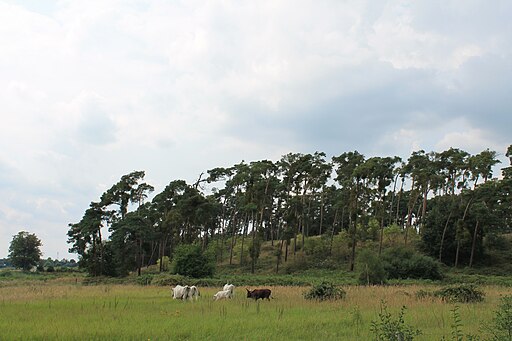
(180, 292)
(222, 295)
(231, 288)
(259, 293)
(194, 293)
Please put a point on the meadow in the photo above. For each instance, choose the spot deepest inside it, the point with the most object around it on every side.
(65, 310)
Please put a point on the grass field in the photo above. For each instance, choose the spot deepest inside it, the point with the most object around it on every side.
(67, 311)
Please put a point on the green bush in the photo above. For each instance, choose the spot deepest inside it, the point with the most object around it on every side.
(463, 293)
(325, 291)
(404, 263)
(423, 294)
(168, 280)
(145, 279)
(371, 268)
(190, 261)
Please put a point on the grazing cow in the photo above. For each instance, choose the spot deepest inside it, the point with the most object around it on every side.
(180, 292)
(194, 293)
(222, 295)
(259, 293)
(231, 288)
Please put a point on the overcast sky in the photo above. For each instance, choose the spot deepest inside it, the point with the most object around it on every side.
(92, 90)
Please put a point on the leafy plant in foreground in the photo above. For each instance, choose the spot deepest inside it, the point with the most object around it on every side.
(501, 328)
(389, 329)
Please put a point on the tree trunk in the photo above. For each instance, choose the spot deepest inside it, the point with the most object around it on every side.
(381, 228)
(286, 251)
(333, 231)
(279, 256)
(473, 245)
(410, 208)
(444, 234)
(233, 232)
(245, 230)
(321, 211)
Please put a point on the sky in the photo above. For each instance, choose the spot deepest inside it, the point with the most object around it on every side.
(92, 90)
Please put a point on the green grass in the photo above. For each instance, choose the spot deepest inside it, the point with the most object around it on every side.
(45, 311)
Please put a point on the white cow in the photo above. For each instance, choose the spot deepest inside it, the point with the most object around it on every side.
(194, 293)
(222, 295)
(180, 292)
(231, 288)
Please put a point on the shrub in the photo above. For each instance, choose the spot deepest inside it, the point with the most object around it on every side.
(325, 291)
(371, 268)
(168, 280)
(423, 294)
(317, 247)
(464, 293)
(190, 261)
(144, 279)
(403, 263)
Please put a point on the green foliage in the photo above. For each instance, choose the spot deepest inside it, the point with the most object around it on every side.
(165, 261)
(501, 327)
(189, 260)
(463, 293)
(325, 291)
(403, 263)
(168, 280)
(423, 294)
(317, 247)
(371, 268)
(387, 328)
(255, 249)
(24, 251)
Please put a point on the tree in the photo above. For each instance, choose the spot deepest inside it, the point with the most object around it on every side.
(24, 250)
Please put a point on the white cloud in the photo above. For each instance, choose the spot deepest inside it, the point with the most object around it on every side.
(92, 90)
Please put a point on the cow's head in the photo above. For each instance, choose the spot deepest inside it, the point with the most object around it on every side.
(249, 293)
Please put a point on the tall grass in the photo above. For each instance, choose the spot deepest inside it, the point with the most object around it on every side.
(130, 312)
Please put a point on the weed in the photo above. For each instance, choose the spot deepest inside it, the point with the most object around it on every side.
(389, 329)
(501, 327)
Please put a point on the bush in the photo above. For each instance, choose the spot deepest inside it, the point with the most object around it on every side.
(464, 293)
(371, 268)
(168, 280)
(190, 261)
(145, 279)
(404, 263)
(423, 294)
(325, 291)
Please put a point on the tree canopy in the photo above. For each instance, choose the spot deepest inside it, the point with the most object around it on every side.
(444, 203)
(24, 251)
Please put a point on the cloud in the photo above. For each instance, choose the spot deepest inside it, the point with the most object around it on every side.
(94, 90)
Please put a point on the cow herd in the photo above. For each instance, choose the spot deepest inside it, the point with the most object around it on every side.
(228, 291)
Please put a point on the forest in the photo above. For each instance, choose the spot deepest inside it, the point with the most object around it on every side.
(447, 205)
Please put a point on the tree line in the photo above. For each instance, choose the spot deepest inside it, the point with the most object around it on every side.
(446, 202)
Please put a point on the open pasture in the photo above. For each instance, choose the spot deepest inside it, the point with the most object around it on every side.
(124, 312)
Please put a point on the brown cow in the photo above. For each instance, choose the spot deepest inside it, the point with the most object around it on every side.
(259, 293)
